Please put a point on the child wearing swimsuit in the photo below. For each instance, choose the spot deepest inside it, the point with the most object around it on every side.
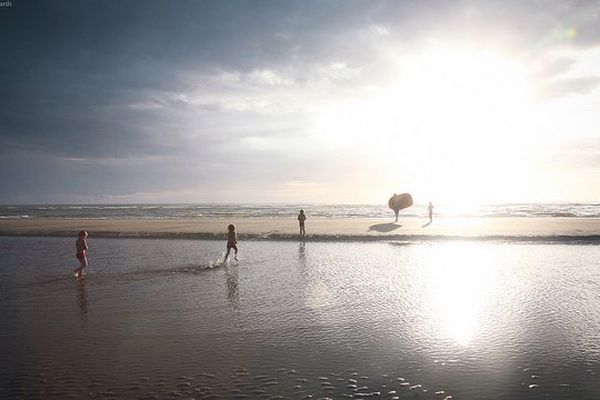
(301, 220)
(231, 241)
(81, 254)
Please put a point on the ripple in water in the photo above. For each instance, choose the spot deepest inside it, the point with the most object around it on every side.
(318, 320)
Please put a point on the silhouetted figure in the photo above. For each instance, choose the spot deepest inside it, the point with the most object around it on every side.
(231, 241)
(430, 212)
(400, 201)
(81, 247)
(396, 209)
(301, 219)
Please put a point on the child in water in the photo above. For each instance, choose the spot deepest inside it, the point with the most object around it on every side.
(81, 246)
(231, 241)
(301, 219)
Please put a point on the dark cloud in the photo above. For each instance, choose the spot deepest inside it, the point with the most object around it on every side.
(88, 85)
(65, 64)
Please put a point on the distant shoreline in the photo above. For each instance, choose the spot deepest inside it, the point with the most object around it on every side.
(552, 230)
(331, 211)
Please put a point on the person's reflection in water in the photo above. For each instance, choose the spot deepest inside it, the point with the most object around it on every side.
(302, 253)
(83, 299)
(232, 280)
(303, 262)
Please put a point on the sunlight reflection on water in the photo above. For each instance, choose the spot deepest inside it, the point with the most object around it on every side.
(160, 318)
(460, 286)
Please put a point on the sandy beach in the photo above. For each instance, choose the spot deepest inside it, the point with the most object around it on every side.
(317, 229)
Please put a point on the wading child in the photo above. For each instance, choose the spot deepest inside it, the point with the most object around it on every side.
(81, 246)
(301, 219)
(231, 242)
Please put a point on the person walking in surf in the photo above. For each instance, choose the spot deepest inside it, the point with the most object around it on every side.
(81, 254)
(231, 242)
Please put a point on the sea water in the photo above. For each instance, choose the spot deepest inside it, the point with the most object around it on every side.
(161, 319)
(191, 211)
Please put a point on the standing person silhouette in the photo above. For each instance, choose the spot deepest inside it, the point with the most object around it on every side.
(301, 219)
(430, 212)
(394, 207)
(399, 202)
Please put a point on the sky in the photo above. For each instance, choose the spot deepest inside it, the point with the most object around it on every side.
(299, 101)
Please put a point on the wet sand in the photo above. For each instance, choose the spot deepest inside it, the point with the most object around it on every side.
(318, 229)
(163, 319)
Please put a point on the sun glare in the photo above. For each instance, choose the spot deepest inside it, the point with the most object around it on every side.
(453, 121)
(459, 288)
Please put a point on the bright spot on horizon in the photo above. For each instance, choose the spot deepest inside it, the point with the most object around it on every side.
(459, 119)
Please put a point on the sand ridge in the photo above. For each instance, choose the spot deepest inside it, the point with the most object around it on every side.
(317, 228)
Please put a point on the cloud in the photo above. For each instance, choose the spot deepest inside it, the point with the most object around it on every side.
(576, 155)
(114, 99)
(146, 105)
(563, 87)
(551, 67)
(268, 77)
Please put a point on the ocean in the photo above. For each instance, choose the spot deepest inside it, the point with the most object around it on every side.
(165, 319)
(187, 211)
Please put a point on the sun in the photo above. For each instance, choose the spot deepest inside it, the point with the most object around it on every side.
(452, 125)
(470, 113)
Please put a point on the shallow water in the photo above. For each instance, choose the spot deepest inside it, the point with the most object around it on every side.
(157, 319)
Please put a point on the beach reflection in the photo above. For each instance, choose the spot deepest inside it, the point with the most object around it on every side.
(83, 298)
(302, 253)
(474, 320)
(232, 280)
(459, 287)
